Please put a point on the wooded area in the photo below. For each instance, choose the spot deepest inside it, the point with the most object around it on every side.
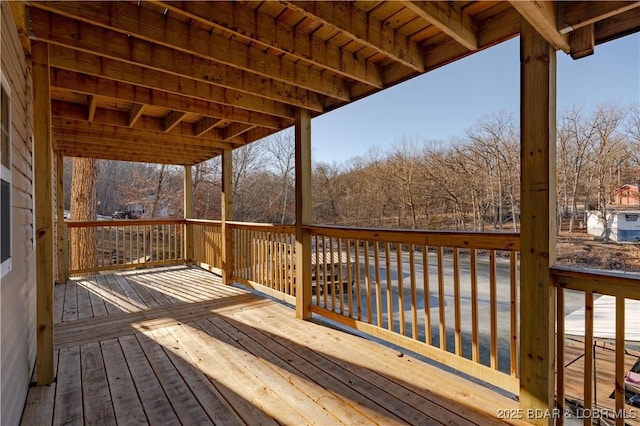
(468, 183)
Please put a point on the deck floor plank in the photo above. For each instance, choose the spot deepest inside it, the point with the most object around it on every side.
(216, 406)
(173, 345)
(70, 307)
(184, 403)
(68, 399)
(222, 378)
(126, 403)
(98, 408)
(38, 409)
(280, 380)
(154, 400)
(98, 306)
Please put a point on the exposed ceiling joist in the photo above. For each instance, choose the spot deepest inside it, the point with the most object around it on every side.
(172, 119)
(82, 62)
(543, 17)
(117, 90)
(242, 22)
(363, 28)
(582, 42)
(205, 124)
(449, 18)
(575, 14)
(183, 135)
(235, 129)
(172, 44)
(92, 107)
(134, 114)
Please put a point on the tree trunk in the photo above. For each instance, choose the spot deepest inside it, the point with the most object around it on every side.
(84, 253)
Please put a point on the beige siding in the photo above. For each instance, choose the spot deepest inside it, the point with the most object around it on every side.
(18, 287)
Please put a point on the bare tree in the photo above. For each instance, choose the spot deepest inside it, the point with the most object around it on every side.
(281, 150)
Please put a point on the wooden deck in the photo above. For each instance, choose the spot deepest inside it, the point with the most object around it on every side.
(175, 346)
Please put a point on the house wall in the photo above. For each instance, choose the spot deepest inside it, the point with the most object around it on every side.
(18, 287)
(627, 195)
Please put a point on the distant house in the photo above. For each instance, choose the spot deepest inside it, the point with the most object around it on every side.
(627, 195)
(620, 225)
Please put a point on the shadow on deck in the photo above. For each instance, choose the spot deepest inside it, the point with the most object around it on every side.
(175, 346)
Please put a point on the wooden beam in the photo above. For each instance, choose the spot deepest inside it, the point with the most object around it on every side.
(542, 16)
(582, 42)
(538, 227)
(62, 245)
(94, 143)
(152, 158)
(575, 15)
(227, 215)
(188, 214)
(172, 119)
(444, 50)
(235, 129)
(43, 172)
(304, 214)
(93, 65)
(134, 114)
(159, 42)
(363, 28)
(74, 112)
(18, 9)
(251, 25)
(618, 26)
(92, 102)
(449, 18)
(205, 124)
(178, 135)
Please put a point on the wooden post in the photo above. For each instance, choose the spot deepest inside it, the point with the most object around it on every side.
(227, 215)
(61, 229)
(538, 224)
(43, 174)
(303, 213)
(188, 214)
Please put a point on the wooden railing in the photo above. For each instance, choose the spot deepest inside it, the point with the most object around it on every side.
(585, 393)
(122, 244)
(207, 244)
(450, 296)
(264, 258)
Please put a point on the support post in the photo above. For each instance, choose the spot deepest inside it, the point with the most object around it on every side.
(303, 213)
(61, 228)
(227, 215)
(538, 224)
(43, 173)
(188, 214)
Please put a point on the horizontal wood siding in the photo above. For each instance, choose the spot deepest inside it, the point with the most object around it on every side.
(18, 290)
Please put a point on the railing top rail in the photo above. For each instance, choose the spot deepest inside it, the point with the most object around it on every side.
(602, 282)
(479, 240)
(121, 222)
(266, 227)
(204, 221)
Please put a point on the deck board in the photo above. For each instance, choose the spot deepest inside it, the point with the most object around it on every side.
(173, 345)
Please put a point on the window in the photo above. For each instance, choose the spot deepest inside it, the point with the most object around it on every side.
(5, 177)
(631, 217)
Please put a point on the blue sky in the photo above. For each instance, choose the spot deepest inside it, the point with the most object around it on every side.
(443, 103)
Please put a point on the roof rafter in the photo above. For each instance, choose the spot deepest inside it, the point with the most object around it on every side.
(173, 46)
(243, 22)
(542, 16)
(365, 29)
(449, 18)
(92, 107)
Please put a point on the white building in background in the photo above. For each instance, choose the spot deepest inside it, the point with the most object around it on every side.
(620, 225)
